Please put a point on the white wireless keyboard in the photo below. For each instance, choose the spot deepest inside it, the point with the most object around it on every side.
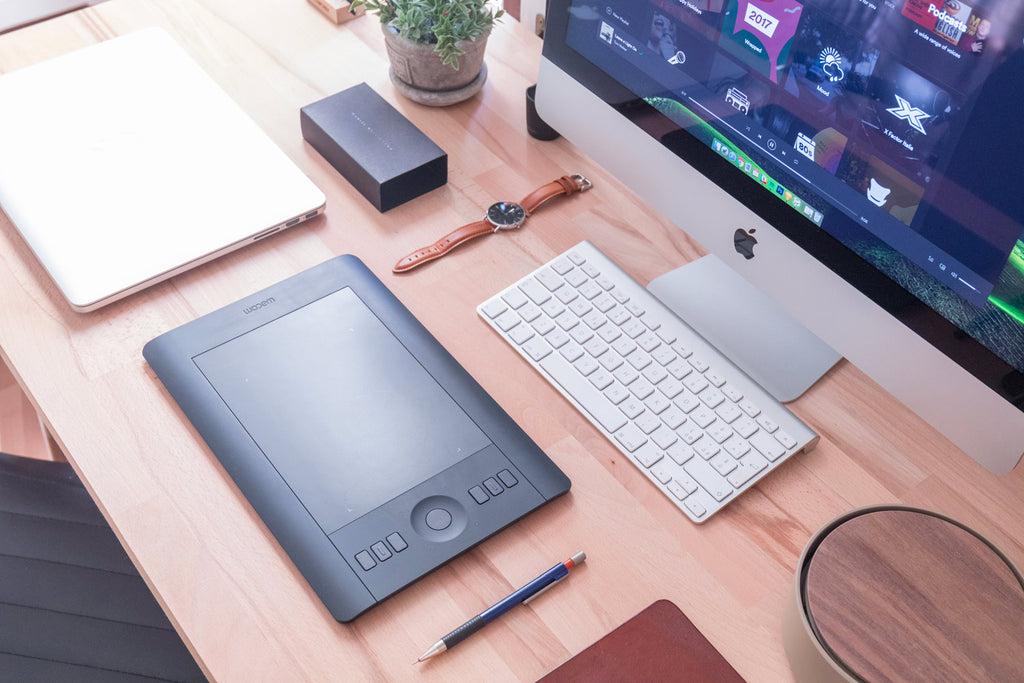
(694, 423)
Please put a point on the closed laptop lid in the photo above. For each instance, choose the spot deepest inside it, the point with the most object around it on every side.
(124, 163)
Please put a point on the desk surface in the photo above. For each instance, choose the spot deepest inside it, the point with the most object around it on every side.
(236, 598)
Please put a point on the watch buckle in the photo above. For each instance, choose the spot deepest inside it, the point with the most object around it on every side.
(582, 181)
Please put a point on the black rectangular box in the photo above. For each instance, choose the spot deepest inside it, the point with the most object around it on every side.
(379, 151)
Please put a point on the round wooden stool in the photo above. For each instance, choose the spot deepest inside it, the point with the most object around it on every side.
(900, 594)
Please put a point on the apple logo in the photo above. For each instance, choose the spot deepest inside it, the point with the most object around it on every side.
(744, 242)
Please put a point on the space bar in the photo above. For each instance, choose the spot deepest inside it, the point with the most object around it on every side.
(586, 394)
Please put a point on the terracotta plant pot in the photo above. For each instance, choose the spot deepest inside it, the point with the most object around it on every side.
(418, 73)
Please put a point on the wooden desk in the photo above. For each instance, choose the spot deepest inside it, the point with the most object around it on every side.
(234, 595)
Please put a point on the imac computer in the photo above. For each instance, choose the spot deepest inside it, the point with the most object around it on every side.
(860, 162)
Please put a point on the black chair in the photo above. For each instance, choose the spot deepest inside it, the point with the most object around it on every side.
(72, 605)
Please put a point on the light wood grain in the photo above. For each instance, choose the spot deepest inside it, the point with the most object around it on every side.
(234, 595)
(21, 431)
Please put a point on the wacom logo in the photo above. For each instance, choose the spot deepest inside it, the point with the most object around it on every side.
(257, 306)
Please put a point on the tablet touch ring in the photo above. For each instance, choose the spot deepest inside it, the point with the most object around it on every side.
(438, 518)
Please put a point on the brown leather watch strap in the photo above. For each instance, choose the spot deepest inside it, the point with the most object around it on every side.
(443, 245)
(566, 185)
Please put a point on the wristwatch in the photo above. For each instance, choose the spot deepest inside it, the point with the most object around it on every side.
(499, 216)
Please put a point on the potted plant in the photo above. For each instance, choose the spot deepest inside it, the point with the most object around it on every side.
(436, 47)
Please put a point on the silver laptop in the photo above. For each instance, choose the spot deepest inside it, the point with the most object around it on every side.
(123, 164)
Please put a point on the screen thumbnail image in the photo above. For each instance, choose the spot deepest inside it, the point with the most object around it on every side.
(678, 44)
(881, 185)
(907, 117)
(828, 60)
(735, 89)
(823, 147)
(760, 33)
(661, 38)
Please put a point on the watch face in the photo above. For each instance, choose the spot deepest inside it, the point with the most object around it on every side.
(506, 214)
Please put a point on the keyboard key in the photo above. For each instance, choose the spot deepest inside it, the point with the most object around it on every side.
(576, 278)
(723, 463)
(641, 388)
(543, 325)
(590, 290)
(592, 400)
(714, 378)
(633, 328)
(655, 373)
(585, 365)
(664, 438)
(712, 397)
(549, 278)
(647, 422)
(679, 368)
(506, 321)
(571, 352)
(557, 338)
(595, 347)
(514, 298)
(562, 265)
(639, 360)
(536, 292)
(581, 334)
(623, 346)
(580, 307)
(728, 412)
(673, 417)
(662, 473)
(494, 308)
(745, 427)
(746, 468)
(566, 295)
(767, 446)
(552, 308)
(601, 379)
(677, 489)
(767, 424)
(626, 374)
(603, 302)
(657, 404)
(529, 313)
(567, 320)
(695, 383)
(699, 364)
(648, 342)
(736, 447)
(679, 453)
(647, 456)
(670, 387)
(617, 393)
(631, 407)
(630, 437)
(708, 479)
(536, 348)
(520, 333)
(785, 439)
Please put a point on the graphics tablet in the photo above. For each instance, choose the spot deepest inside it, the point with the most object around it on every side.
(369, 452)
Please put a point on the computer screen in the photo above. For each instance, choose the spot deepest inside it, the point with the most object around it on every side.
(881, 138)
